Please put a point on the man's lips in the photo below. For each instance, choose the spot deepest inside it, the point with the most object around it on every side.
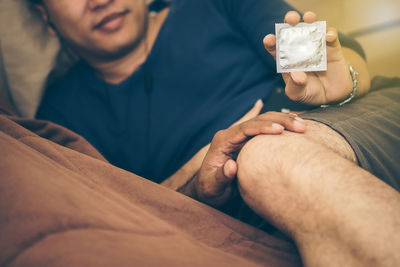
(110, 21)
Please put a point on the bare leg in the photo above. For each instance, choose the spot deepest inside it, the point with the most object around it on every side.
(337, 213)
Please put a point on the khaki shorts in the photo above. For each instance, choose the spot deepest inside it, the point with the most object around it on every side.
(371, 125)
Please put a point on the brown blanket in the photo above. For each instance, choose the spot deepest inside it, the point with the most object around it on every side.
(62, 204)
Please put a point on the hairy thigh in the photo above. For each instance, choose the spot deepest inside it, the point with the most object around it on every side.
(283, 169)
(321, 134)
(281, 154)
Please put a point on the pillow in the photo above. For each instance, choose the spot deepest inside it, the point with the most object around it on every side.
(6, 105)
(28, 54)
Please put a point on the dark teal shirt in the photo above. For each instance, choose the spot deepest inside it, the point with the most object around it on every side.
(207, 68)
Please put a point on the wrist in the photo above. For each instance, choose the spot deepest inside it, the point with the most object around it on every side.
(355, 84)
(359, 63)
(189, 188)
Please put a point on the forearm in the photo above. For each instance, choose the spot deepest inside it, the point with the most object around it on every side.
(187, 171)
(188, 188)
(360, 65)
(180, 178)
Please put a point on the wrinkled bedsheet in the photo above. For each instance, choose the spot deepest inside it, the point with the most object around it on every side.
(63, 204)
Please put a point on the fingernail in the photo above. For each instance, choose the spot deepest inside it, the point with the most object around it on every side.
(277, 126)
(299, 122)
(297, 118)
(270, 35)
(330, 33)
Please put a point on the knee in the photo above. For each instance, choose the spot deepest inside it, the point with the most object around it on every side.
(265, 157)
(276, 161)
(267, 176)
(272, 154)
(259, 155)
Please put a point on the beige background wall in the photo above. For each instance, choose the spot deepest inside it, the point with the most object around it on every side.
(374, 23)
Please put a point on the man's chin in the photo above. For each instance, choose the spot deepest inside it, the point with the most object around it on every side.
(115, 53)
(106, 52)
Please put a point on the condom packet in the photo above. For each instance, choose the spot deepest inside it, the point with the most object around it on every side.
(301, 47)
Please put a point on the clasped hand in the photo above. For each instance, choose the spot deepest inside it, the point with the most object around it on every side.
(213, 184)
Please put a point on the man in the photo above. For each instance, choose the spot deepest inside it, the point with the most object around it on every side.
(192, 77)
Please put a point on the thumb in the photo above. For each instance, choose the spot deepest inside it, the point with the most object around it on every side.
(230, 169)
(252, 113)
(296, 85)
(225, 174)
(224, 177)
(218, 191)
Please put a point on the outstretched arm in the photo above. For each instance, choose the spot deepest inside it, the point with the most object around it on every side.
(213, 183)
(209, 175)
(187, 171)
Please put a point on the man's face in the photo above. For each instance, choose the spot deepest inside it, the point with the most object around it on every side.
(98, 28)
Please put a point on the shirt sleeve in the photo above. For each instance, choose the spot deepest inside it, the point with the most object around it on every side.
(255, 19)
(351, 43)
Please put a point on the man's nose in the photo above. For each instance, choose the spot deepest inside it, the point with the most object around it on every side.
(96, 4)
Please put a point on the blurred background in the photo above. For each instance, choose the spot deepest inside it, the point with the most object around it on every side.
(375, 24)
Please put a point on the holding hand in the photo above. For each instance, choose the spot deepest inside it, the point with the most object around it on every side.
(213, 184)
(323, 87)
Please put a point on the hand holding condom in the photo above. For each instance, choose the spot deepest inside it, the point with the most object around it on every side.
(319, 87)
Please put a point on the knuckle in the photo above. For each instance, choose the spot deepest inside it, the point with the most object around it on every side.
(245, 124)
(266, 115)
(272, 114)
(206, 191)
(301, 97)
(219, 134)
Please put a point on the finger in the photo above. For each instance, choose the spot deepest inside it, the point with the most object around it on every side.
(259, 126)
(252, 113)
(332, 39)
(222, 182)
(269, 125)
(296, 86)
(309, 17)
(230, 169)
(292, 17)
(312, 92)
(229, 140)
(270, 44)
(289, 121)
(299, 78)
